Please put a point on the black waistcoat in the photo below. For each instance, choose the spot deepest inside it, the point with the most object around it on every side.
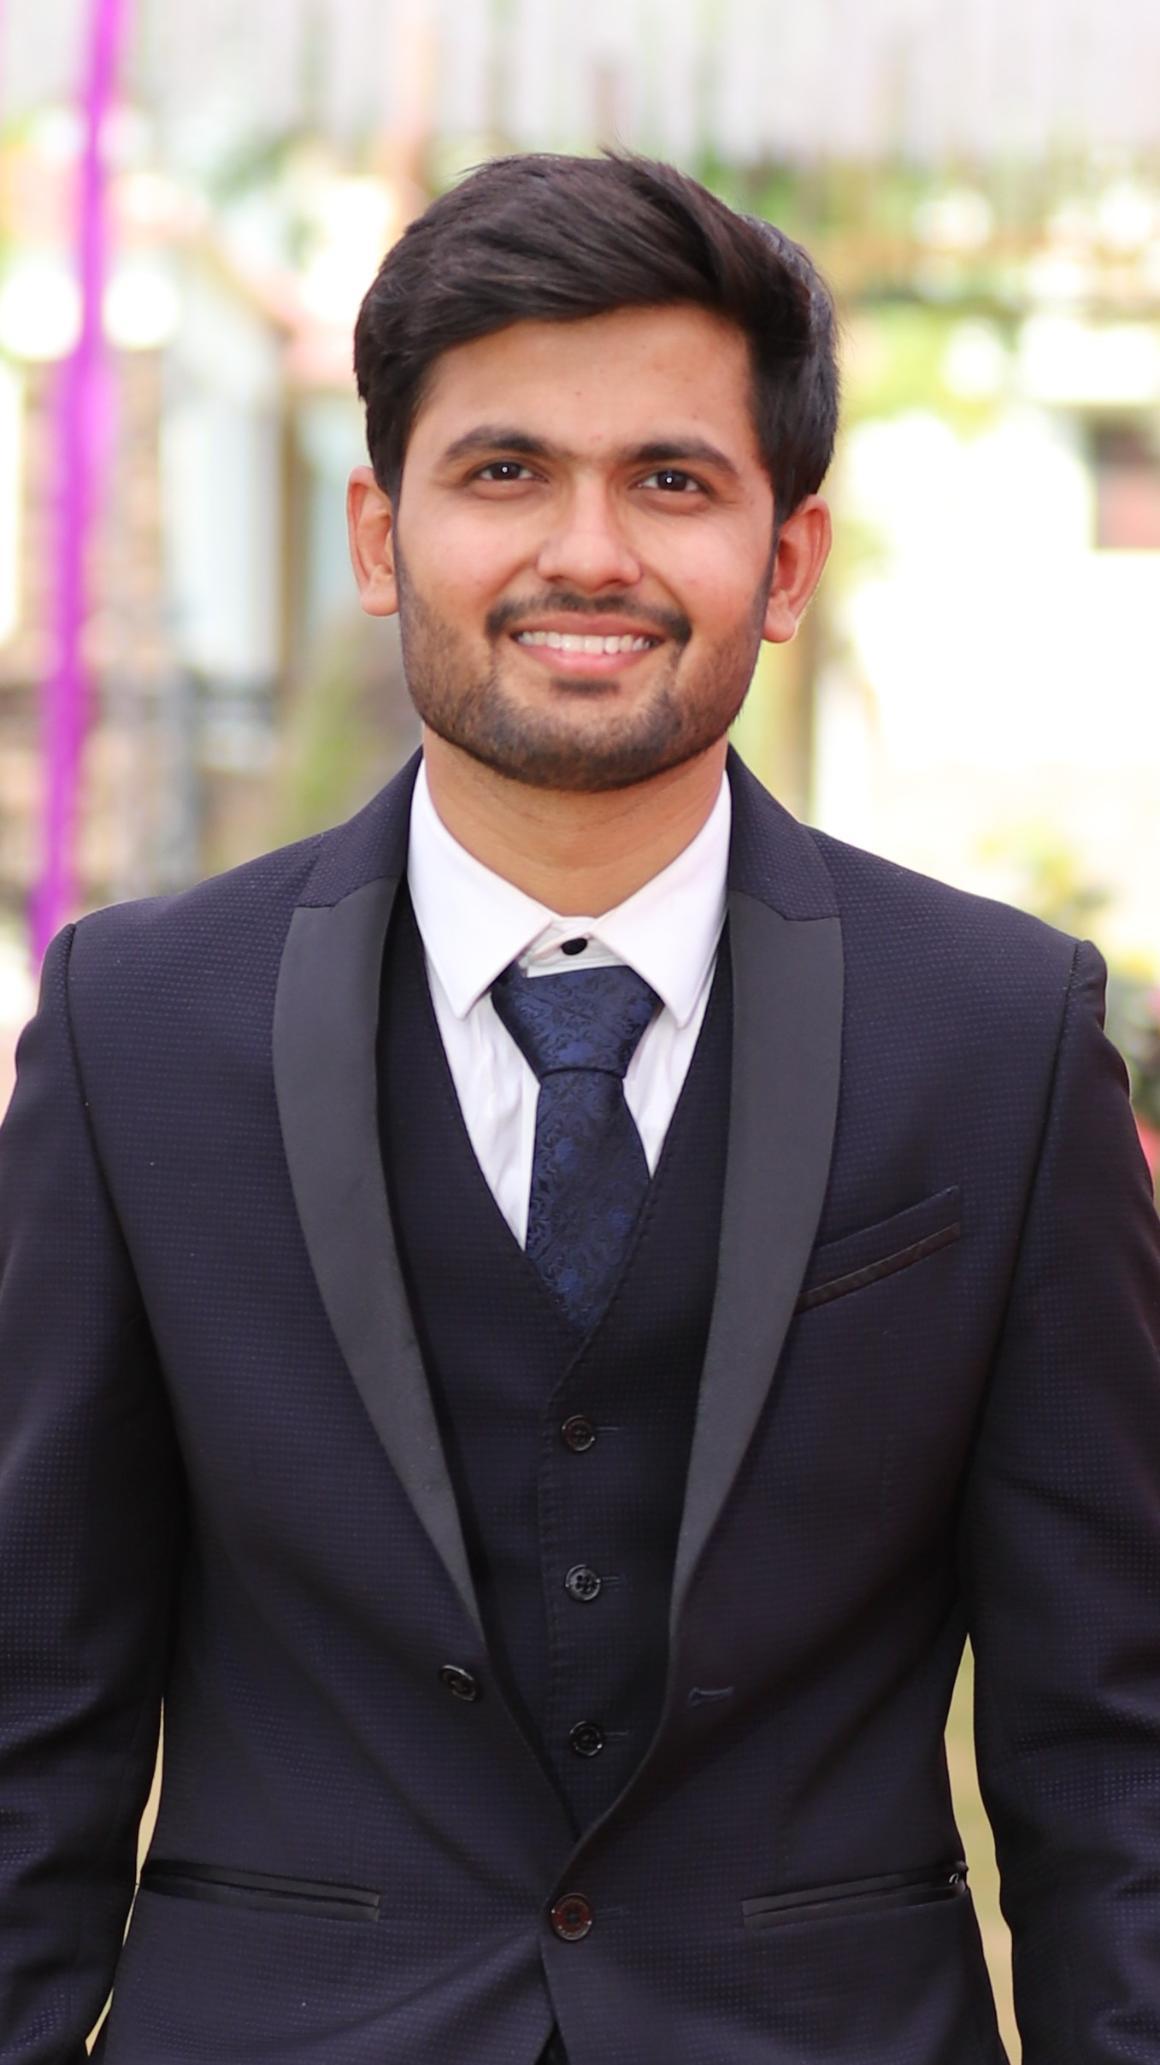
(568, 1455)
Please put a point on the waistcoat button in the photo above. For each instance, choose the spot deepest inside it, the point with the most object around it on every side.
(578, 1434)
(582, 1582)
(586, 1739)
(571, 1917)
(459, 1683)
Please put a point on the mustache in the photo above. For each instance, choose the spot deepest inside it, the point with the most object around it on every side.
(668, 623)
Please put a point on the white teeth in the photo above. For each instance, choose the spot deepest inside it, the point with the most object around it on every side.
(572, 641)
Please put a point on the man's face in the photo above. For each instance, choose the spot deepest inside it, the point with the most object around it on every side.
(582, 550)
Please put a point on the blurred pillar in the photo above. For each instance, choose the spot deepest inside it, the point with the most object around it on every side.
(82, 432)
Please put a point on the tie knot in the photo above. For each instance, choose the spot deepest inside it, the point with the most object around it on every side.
(592, 1018)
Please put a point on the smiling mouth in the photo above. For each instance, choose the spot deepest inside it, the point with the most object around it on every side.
(585, 642)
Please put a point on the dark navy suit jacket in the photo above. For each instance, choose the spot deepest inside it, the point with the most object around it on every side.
(930, 1405)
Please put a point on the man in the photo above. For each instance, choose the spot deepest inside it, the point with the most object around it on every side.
(537, 1320)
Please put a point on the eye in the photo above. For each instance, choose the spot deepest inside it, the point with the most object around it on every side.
(672, 481)
(504, 470)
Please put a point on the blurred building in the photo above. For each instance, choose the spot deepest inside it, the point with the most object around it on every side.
(982, 184)
(745, 82)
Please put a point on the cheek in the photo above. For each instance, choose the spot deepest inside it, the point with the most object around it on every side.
(718, 576)
(471, 566)
(454, 600)
(720, 610)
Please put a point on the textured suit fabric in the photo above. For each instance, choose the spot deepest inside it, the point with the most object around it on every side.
(509, 1372)
(956, 1426)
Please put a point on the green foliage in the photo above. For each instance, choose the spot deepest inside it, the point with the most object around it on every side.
(1134, 1025)
(1050, 877)
(897, 361)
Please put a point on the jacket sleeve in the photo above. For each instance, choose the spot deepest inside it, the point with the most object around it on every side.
(1061, 1546)
(90, 1519)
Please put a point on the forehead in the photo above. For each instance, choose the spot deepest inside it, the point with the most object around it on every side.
(601, 383)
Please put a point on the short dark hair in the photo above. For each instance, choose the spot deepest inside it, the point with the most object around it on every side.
(552, 238)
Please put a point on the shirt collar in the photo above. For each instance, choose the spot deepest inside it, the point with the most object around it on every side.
(474, 923)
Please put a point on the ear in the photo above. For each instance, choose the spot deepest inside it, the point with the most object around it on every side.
(370, 527)
(803, 548)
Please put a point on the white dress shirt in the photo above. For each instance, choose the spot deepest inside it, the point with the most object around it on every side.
(473, 924)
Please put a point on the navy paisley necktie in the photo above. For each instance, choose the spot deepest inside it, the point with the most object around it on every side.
(579, 1031)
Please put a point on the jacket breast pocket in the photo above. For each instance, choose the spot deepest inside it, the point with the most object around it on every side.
(266, 1891)
(839, 1267)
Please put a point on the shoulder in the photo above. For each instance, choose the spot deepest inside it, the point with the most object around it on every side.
(936, 961)
(904, 925)
(235, 923)
(220, 921)
(882, 895)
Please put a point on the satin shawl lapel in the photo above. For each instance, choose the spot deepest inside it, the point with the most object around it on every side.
(325, 1026)
(786, 948)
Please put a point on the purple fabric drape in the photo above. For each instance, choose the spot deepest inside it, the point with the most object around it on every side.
(82, 423)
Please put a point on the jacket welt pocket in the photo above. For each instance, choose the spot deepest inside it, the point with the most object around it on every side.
(260, 1889)
(858, 1896)
(841, 1266)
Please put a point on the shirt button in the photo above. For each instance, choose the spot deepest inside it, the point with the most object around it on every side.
(459, 1683)
(582, 1582)
(578, 1434)
(571, 1918)
(586, 1739)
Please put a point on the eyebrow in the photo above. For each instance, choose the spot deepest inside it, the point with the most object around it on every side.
(499, 437)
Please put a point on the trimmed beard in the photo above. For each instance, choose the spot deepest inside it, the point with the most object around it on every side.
(675, 721)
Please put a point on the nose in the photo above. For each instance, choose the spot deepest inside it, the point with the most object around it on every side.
(587, 547)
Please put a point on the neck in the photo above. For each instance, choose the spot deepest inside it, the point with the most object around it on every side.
(578, 854)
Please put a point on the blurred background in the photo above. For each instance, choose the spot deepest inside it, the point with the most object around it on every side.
(192, 202)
